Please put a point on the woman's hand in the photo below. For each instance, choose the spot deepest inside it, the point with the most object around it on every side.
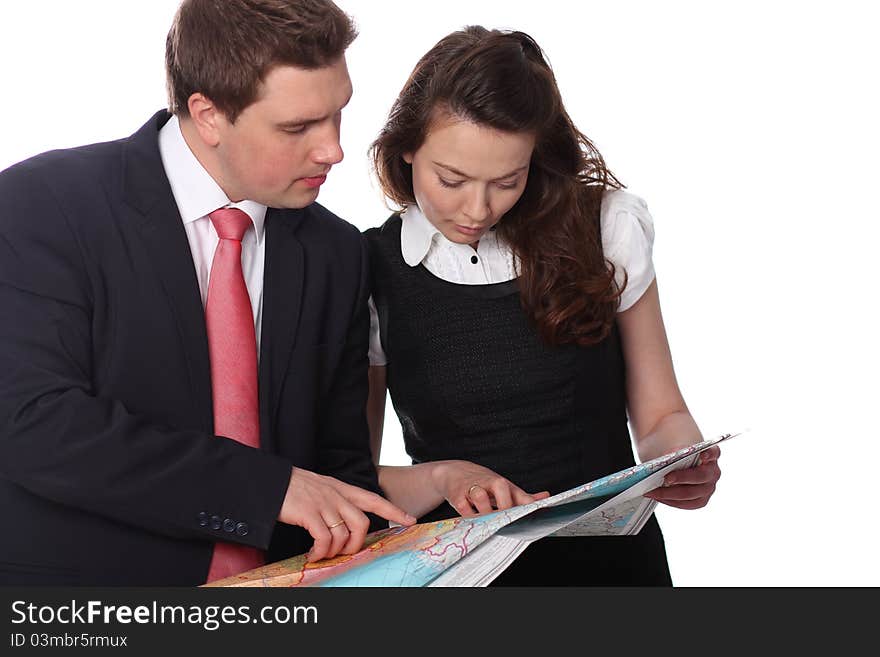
(692, 487)
(473, 489)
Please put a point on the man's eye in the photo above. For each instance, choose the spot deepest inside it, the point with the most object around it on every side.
(295, 131)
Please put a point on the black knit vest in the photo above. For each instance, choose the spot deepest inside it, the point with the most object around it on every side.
(470, 379)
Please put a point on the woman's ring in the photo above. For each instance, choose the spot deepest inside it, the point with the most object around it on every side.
(336, 524)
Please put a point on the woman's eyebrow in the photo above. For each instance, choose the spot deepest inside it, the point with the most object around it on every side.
(464, 175)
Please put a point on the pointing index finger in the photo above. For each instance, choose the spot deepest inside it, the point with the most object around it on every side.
(367, 501)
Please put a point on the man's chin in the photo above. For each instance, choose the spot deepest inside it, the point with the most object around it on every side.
(295, 199)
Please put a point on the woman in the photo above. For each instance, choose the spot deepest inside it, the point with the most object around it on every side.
(516, 319)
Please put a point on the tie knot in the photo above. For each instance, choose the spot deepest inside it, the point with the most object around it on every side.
(230, 223)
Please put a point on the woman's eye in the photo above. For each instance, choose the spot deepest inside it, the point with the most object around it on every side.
(512, 185)
(448, 183)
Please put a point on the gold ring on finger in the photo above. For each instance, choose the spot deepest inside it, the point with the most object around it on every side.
(336, 524)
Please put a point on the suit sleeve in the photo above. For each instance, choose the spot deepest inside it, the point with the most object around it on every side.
(61, 439)
(344, 445)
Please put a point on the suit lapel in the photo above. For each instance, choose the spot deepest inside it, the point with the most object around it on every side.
(148, 192)
(282, 298)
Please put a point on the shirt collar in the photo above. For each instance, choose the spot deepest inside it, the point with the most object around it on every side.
(417, 235)
(196, 193)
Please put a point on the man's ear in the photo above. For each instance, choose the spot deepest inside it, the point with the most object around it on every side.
(207, 119)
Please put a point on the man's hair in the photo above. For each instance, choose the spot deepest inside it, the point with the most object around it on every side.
(225, 48)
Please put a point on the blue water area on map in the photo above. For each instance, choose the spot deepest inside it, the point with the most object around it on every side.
(400, 569)
(552, 516)
(621, 522)
(605, 487)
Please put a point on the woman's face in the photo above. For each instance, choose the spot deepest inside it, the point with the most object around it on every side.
(467, 176)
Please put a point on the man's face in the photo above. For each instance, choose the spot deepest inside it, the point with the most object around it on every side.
(281, 147)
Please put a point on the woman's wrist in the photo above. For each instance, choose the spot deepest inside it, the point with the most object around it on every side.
(415, 488)
(673, 432)
(436, 473)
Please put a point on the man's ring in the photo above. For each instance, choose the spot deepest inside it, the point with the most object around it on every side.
(470, 490)
(336, 524)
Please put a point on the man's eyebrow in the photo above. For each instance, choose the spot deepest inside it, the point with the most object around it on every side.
(307, 121)
(300, 123)
(464, 175)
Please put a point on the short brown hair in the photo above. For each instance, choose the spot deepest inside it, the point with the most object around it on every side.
(501, 79)
(225, 48)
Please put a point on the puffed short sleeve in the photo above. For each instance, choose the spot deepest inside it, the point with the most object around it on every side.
(377, 354)
(628, 242)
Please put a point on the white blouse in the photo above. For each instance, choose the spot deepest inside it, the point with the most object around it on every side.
(627, 241)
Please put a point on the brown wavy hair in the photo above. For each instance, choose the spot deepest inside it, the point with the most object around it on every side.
(502, 80)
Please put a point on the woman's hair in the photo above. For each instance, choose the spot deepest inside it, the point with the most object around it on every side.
(502, 80)
(225, 48)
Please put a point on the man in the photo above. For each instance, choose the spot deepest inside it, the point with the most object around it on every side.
(183, 330)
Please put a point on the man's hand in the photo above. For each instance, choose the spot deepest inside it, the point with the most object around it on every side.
(333, 512)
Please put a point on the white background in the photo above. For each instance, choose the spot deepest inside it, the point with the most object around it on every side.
(751, 130)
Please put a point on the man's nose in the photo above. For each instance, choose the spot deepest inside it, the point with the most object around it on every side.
(328, 150)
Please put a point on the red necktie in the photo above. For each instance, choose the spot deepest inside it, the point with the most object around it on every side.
(232, 346)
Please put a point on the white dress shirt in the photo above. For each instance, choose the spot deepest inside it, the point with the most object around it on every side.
(627, 241)
(197, 195)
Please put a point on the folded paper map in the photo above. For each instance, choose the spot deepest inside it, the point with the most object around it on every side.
(473, 551)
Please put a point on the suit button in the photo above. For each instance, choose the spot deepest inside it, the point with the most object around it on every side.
(242, 529)
(229, 525)
(203, 519)
(216, 522)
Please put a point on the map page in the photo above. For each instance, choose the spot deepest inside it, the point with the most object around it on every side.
(473, 551)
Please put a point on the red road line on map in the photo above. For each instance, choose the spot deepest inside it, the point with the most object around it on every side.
(462, 547)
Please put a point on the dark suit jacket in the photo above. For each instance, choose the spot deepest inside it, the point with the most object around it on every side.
(109, 470)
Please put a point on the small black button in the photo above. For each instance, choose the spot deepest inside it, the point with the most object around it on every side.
(474, 259)
(216, 522)
(229, 525)
(203, 519)
(242, 529)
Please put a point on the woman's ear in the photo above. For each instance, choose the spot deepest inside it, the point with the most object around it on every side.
(408, 158)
